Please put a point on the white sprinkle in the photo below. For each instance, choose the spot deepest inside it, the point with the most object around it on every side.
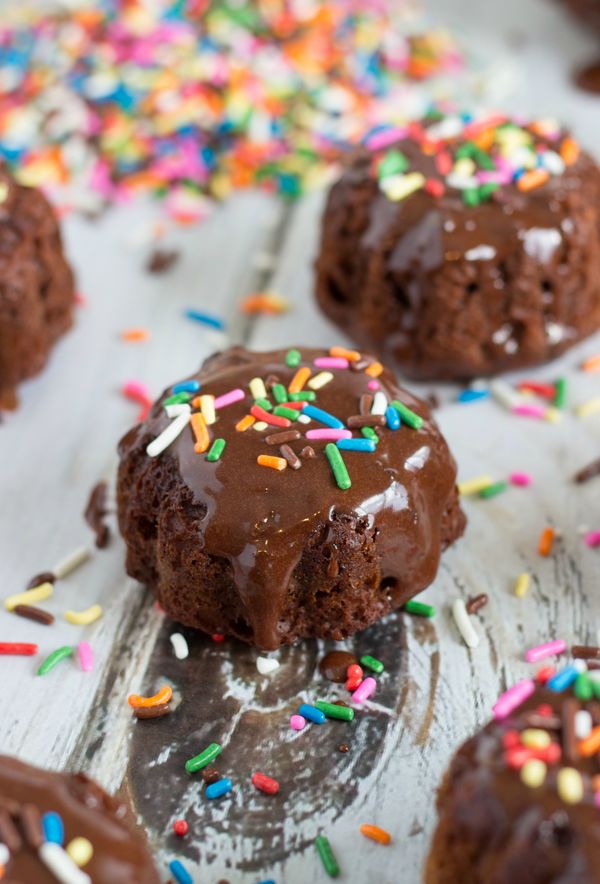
(71, 562)
(180, 646)
(580, 665)
(4, 854)
(505, 394)
(177, 408)
(303, 419)
(481, 253)
(260, 426)
(207, 407)
(266, 665)
(320, 379)
(257, 388)
(465, 624)
(461, 182)
(583, 724)
(553, 162)
(168, 435)
(61, 865)
(380, 403)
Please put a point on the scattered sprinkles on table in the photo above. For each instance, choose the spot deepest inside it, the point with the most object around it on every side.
(189, 101)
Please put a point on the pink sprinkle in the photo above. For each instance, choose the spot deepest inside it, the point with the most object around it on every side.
(229, 398)
(86, 656)
(331, 362)
(80, 299)
(529, 409)
(297, 722)
(385, 138)
(597, 799)
(521, 479)
(136, 390)
(540, 652)
(329, 434)
(365, 689)
(373, 385)
(592, 538)
(513, 697)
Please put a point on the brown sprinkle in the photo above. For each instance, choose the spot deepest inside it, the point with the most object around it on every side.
(281, 438)
(211, 775)
(291, 457)
(307, 451)
(152, 711)
(545, 722)
(8, 832)
(477, 602)
(32, 613)
(366, 420)
(569, 737)
(32, 826)
(589, 472)
(586, 652)
(343, 747)
(161, 260)
(44, 577)
(365, 403)
(95, 512)
(360, 364)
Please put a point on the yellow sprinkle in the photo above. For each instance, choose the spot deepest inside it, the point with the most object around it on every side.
(30, 597)
(319, 380)
(84, 618)
(398, 187)
(569, 785)
(592, 406)
(535, 738)
(474, 486)
(533, 773)
(80, 850)
(553, 415)
(258, 389)
(260, 426)
(207, 407)
(522, 585)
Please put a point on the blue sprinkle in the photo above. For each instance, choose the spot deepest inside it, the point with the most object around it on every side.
(267, 881)
(221, 787)
(392, 418)
(323, 417)
(355, 444)
(312, 713)
(205, 319)
(187, 387)
(563, 679)
(473, 395)
(54, 830)
(180, 873)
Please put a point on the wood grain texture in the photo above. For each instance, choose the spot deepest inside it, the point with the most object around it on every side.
(435, 692)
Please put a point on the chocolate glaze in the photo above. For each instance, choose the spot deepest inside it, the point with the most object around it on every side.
(493, 827)
(333, 666)
(588, 78)
(95, 513)
(120, 855)
(455, 291)
(261, 522)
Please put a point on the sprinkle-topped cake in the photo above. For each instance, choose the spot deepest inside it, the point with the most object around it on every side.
(281, 495)
(464, 247)
(520, 801)
(64, 827)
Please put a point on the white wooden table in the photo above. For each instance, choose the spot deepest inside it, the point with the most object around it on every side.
(435, 693)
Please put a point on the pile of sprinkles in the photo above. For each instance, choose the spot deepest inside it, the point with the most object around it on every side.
(280, 410)
(475, 156)
(188, 101)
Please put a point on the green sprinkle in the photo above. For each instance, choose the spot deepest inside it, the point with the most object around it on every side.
(595, 683)
(471, 196)
(303, 396)
(216, 450)
(584, 689)
(292, 414)
(333, 710)
(369, 433)
(493, 489)
(206, 757)
(560, 396)
(393, 163)
(293, 358)
(330, 863)
(338, 467)
(486, 190)
(409, 417)
(264, 404)
(484, 160)
(279, 393)
(466, 150)
(372, 664)
(419, 608)
(55, 657)
(177, 398)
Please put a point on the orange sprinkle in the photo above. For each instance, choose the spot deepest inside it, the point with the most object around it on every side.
(299, 379)
(197, 402)
(591, 744)
(374, 369)
(200, 432)
(569, 151)
(267, 460)
(135, 334)
(592, 363)
(376, 834)
(245, 423)
(531, 180)
(344, 353)
(263, 302)
(163, 696)
(546, 542)
(596, 783)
